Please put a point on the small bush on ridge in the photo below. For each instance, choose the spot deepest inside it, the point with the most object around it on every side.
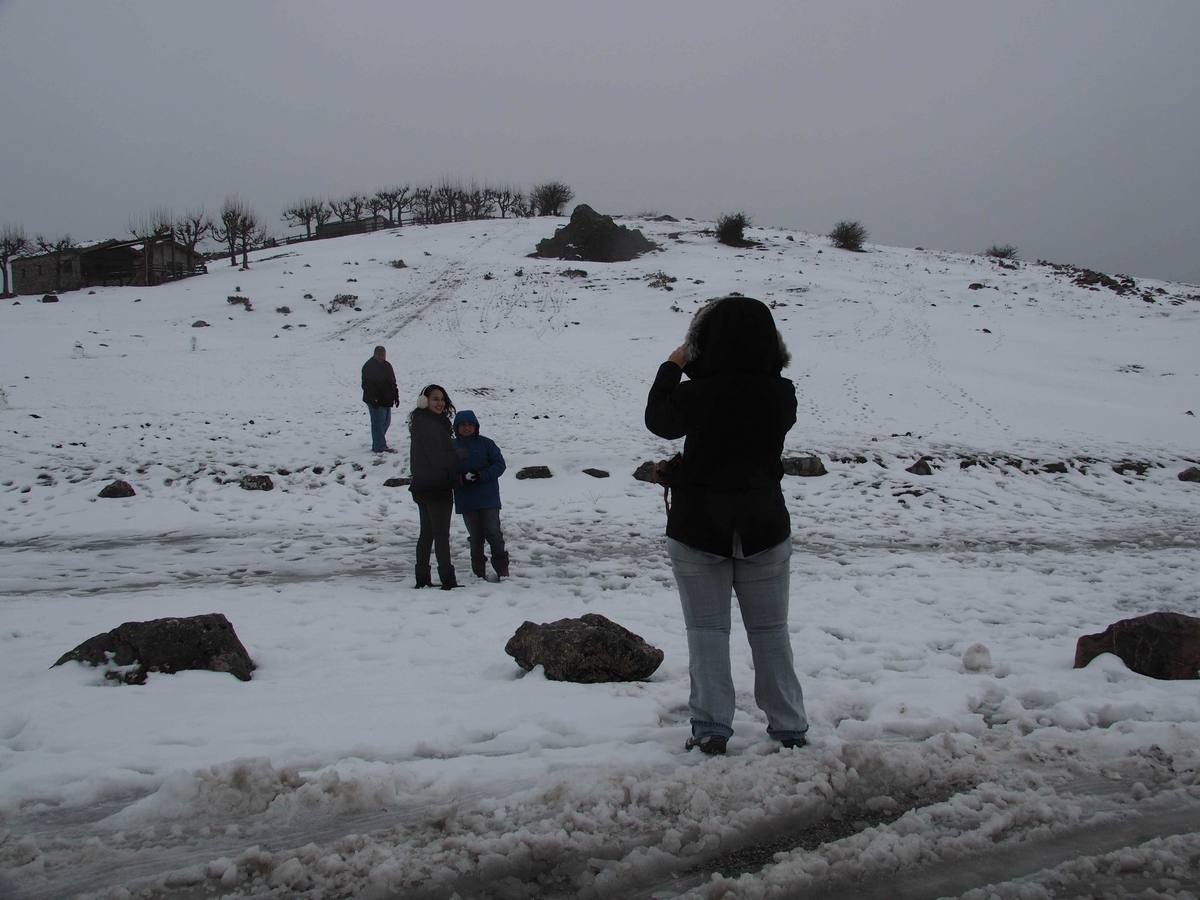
(998, 251)
(731, 229)
(848, 235)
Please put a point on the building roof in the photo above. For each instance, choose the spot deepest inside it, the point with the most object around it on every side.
(109, 244)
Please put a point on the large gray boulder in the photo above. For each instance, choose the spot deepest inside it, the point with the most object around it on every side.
(804, 466)
(117, 489)
(1159, 645)
(167, 645)
(586, 650)
(256, 483)
(592, 236)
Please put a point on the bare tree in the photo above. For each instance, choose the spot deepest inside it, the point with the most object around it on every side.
(447, 201)
(395, 200)
(343, 209)
(190, 229)
(55, 248)
(506, 199)
(229, 229)
(349, 208)
(422, 204)
(335, 207)
(376, 204)
(386, 199)
(479, 201)
(250, 234)
(305, 212)
(404, 200)
(156, 226)
(322, 212)
(550, 198)
(13, 243)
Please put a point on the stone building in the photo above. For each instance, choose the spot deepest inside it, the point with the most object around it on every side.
(106, 263)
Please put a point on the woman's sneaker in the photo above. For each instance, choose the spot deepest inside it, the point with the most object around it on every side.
(712, 744)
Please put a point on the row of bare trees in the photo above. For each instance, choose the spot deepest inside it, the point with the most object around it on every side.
(239, 228)
(447, 201)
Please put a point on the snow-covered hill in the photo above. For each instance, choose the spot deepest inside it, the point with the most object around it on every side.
(388, 747)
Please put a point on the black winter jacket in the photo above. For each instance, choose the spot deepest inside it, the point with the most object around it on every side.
(379, 383)
(431, 453)
(733, 413)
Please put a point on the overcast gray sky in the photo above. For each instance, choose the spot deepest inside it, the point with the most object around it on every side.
(1067, 128)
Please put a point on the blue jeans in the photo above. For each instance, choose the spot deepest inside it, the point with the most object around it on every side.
(706, 582)
(381, 418)
(484, 525)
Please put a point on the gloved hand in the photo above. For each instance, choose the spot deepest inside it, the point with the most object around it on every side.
(471, 477)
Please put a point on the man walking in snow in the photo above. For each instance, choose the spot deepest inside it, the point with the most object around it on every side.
(380, 394)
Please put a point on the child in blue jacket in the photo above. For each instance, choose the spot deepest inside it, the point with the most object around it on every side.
(480, 464)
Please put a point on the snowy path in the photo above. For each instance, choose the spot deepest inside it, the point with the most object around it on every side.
(846, 825)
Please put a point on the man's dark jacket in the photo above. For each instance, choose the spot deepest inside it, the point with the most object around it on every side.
(733, 412)
(379, 383)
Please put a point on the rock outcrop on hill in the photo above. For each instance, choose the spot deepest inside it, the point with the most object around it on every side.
(594, 237)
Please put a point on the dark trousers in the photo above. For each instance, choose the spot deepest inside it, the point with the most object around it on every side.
(436, 509)
(381, 418)
(484, 525)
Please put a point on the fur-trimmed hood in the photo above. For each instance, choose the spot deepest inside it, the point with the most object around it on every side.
(734, 334)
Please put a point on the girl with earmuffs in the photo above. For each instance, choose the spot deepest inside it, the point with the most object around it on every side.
(434, 477)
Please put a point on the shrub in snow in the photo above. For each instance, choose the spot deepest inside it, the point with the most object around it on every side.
(348, 301)
(236, 300)
(1001, 251)
(731, 229)
(550, 198)
(848, 235)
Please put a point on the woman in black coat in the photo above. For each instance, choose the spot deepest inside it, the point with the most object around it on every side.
(728, 529)
(434, 477)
